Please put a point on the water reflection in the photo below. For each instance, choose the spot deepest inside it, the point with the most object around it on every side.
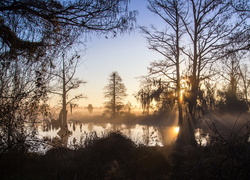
(140, 134)
(203, 139)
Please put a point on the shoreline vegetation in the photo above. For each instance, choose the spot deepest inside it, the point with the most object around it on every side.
(223, 120)
(115, 156)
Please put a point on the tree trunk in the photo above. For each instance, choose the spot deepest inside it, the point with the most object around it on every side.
(64, 99)
(178, 88)
(114, 97)
(189, 125)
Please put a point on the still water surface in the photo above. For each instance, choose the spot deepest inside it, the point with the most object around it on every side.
(140, 134)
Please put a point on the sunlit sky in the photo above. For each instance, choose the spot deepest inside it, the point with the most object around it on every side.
(128, 54)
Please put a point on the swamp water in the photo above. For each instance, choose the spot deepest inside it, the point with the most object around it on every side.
(80, 133)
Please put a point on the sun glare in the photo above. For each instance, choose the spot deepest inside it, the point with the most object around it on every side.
(182, 91)
(176, 129)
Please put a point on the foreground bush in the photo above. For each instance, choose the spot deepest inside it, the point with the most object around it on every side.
(117, 157)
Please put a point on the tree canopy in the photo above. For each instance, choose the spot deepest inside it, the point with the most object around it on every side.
(33, 35)
(31, 27)
(199, 36)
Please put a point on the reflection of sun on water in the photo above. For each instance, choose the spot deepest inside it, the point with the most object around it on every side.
(201, 138)
(181, 92)
(170, 134)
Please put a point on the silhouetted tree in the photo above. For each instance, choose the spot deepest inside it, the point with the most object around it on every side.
(167, 43)
(207, 28)
(241, 38)
(210, 95)
(31, 27)
(22, 95)
(144, 95)
(90, 108)
(115, 92)
(127, 108)
(232, 96)
(245, 77)
(32, 34)
(64, 82)
(157, 95)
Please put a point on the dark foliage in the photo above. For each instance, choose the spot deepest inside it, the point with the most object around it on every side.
(32, 36)
(30, 27)
(117, 157)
